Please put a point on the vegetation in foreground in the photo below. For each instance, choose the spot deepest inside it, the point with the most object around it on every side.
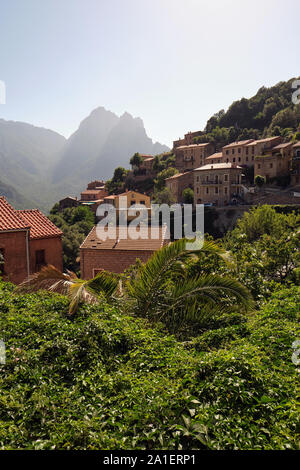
(103, 380)
(112, 376)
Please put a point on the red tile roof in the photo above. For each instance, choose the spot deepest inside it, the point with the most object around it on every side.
(9, 218)
(215, 156)
(119, 243)
(40, 225)
(262, 141)
(191, 146)
(239, 143)
(218, 166)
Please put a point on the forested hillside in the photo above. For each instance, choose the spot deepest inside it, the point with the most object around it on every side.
(270, 112)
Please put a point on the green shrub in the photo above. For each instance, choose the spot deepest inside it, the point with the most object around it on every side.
(103, 380)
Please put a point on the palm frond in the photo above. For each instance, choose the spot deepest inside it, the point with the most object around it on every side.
(155, 274)
(78, 290)
(49, 278)
(211, 293)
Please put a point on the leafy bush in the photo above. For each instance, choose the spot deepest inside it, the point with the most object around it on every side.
(103, 380)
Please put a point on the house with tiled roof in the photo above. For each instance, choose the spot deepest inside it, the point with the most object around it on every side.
(123, 202)
(28, 241)
(178, 183)
(217, 183)
(120, 250)
(274, 163)
(189, 157)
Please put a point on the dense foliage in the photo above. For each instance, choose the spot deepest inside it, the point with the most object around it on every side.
(270, 112)
(75, 223)
(113, 377)
(110, 381)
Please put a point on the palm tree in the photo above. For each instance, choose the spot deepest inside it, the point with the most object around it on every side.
(78, 290)
(164, 291)
(161, 289)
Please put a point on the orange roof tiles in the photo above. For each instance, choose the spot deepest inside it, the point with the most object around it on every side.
(240, 143)
(194, 146)
(119, 243)
(40, 225)
(262, 141)
(215, 156)
(218, 166)
(9, 218)
(34, 220)
(282, 146)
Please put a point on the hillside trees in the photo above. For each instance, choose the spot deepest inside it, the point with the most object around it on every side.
(75, 224)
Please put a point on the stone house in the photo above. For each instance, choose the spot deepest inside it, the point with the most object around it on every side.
(189, 157)
(217, 183)
(178, 183)
(275, 163)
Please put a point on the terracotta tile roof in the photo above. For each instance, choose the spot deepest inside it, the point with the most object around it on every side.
(194, 146)
(215, 156)
(239, 143)
(218, 166)
(146, 156)
(92, 191)
(9, 217)
(283, 146)
(40, 225)
(117, 243)
(262, 141)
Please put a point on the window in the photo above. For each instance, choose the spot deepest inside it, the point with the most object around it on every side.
(232, 151)
(233, 160)
(207, 190)
(239, 159)
(142, 202)
(271, 165)
(225, 177)
(197, 179)
(239, 149)
(227, 152)
(247, 151)
(40, 259)
(2, 260)
(258, 166)
(247, 159)
(197, 190)
(226, 190)
(216, 190)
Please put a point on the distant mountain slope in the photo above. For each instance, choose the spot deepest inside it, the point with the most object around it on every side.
(39, 166)
(270, 112)
(85, 144)
(27, 156)
(102, 142)
(17, 200)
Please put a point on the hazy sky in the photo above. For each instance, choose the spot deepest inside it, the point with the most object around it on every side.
(173, 63)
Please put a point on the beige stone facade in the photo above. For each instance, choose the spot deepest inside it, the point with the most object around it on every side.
(178, 183)
(295, 165)
(243, 153)
(131, 198)
(218, 183)
(274, 164)
(189, 157)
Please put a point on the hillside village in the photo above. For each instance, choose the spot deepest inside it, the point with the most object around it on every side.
(243, 173)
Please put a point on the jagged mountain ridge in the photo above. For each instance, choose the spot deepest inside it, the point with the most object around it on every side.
(102, 142)
(39, 166)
